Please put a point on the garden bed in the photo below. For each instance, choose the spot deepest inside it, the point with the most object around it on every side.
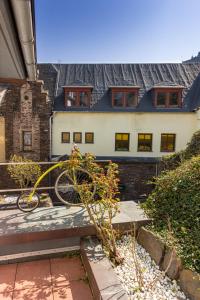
(123, 281)
(141, 277)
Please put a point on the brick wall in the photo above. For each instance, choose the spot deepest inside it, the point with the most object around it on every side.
(25, 108)
(135, 177)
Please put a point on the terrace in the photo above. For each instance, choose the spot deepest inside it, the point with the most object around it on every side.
(51, 235)
(93, 247)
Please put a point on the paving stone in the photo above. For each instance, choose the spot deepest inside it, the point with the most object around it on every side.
(7, 278)
(76, 290)
(34, 280)
(6, 296)
(40, 293)
(64, 270)
(33, 274)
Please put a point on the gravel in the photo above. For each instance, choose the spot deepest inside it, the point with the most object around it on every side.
(5, 199)
(11, 200)
(156, 285)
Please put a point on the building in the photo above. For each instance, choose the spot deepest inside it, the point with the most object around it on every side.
(130, 113)
(193, 59)
(138, 111)
(24, 106)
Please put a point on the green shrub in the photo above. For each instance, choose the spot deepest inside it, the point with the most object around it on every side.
(193, 148)
(176, 198)
(103, 206)
(172, 161)
(23, 175)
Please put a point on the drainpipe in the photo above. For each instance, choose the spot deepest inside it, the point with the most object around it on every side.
(23, 13)
(156, 169)
(50, 134)
(197, 111)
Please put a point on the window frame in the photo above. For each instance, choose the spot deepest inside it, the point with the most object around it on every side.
(92, 137)
(77, 90)
(146, 133)
(23, 144)
(174, 144)
(74, 133)
(124, 91)
(128, 141)
(62, 141)
(168, 91)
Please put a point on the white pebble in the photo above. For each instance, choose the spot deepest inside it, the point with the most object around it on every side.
(163, 288)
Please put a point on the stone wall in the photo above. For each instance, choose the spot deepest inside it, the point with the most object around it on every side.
(25, 107)
(169, 261)
(134, 178)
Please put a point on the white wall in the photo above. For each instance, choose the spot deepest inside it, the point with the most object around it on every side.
(105, 125)
(2, 139)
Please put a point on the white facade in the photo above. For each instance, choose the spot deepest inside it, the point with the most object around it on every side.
(105, 125)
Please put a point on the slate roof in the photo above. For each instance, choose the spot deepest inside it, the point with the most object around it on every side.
(102, 76)
(193, 59)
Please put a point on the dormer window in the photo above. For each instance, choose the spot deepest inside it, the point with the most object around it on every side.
(168, 97)
(77, 96)
(124, 96)
(161, 99)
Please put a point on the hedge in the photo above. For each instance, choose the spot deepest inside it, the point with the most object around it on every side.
(176, 197)
(193, 149)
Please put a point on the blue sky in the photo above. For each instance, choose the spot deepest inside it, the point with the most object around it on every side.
(87, 31)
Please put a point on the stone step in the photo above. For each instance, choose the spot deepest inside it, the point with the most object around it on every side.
(38, 250)
(51, 223)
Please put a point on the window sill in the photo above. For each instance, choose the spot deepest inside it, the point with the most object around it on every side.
(168, 107)
(124, 107)
(78, 106)
(122, 150)
(144, 151)
(174, 107)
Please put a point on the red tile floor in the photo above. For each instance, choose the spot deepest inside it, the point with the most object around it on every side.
(49, 279)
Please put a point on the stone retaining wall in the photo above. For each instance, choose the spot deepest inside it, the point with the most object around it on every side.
(188, 280)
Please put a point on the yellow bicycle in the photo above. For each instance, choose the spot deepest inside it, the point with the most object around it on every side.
(67, 187)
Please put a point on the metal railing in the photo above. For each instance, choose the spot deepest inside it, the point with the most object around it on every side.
(33, 163)
(28, 188)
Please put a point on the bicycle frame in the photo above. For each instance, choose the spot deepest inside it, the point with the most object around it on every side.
(60, 164)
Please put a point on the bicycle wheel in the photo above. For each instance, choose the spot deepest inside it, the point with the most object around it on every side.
(25, 204)
(67, 186)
